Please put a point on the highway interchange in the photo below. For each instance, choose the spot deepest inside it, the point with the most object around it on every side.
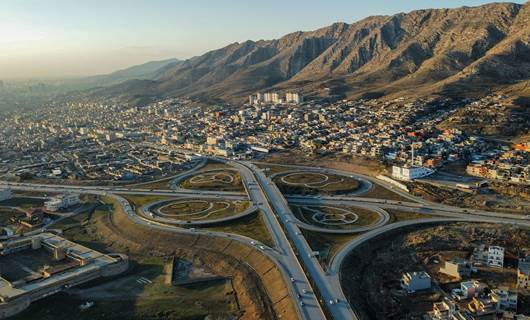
(317, 293)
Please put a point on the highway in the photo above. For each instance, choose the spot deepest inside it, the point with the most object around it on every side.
(297, 262)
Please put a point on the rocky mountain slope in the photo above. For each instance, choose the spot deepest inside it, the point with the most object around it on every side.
(458, 51)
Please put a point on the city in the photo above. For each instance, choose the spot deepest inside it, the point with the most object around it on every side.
(187, 189)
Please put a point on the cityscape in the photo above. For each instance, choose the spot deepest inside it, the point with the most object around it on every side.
(378, 169)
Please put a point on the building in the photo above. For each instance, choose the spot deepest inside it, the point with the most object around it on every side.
(62, 202)
(471, 288)
(67, 264)
(5, 194)
(294, 97)
(496, 256)
(457, 268)
(415, 281)
(482, 306)
(523, 273)
(408, 173)
(443, 310)
(505, 299)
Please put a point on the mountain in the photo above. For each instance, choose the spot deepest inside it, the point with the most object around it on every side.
(147, 71)
(462, 51)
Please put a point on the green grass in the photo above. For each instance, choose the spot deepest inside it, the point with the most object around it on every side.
(251, 226)
(379, 192)
(327, 244)
(216, 185)
(140, 201)
(397, 215)
(366, 217)
(184, 210)
(22, 202)
(123, 297)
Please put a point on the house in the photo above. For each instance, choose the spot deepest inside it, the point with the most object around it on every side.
(414, 281)
(482, 306)
(457, 268)
(471, 288)
(505, 299)
(496, 256)
(443, 310)
(523, 273)
(480, 255)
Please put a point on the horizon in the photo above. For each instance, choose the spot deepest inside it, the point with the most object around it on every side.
(53, 44)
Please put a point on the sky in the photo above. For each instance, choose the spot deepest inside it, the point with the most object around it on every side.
(69, 38)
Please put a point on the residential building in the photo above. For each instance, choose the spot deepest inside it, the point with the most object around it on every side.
(62, 202)
(457, 268)
(415, 281)
(505, 299)
(496, 256)
(409, 173)
(523, 273)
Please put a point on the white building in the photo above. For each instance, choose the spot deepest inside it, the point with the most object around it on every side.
(408, 173)
(496, 256)
(62, 202)
(414, 281)
(5, 194)
(294, 97)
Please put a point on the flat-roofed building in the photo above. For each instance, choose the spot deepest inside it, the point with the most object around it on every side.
(523, 273)
(415, 281)
(36, 266)
(62, 202)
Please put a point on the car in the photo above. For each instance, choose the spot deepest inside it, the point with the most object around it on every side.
(253, 243)
(292, 279)
(304, 291)
(331, 302)
(301, 303)
(262, 247)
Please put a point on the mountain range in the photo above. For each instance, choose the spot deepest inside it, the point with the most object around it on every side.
(460, 52)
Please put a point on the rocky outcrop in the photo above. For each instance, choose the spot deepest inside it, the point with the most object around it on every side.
(431, 51)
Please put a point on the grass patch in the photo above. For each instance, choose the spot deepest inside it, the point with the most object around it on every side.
(327, 244)
(397, 215)
(379, 192)
(22, 202)
(366, 217)
(140, 201)
(219, 180)
(315, 183)
(251, 226)
(200, 209)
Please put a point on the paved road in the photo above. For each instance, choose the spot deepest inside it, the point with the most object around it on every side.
(291, 251)
(328, 292)
(308, 305)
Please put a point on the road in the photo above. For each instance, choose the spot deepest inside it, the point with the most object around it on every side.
(292, 254)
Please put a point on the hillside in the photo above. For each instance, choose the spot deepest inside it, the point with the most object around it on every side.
(461, 51)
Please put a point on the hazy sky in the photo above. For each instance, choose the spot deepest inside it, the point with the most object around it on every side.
(57, 38)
